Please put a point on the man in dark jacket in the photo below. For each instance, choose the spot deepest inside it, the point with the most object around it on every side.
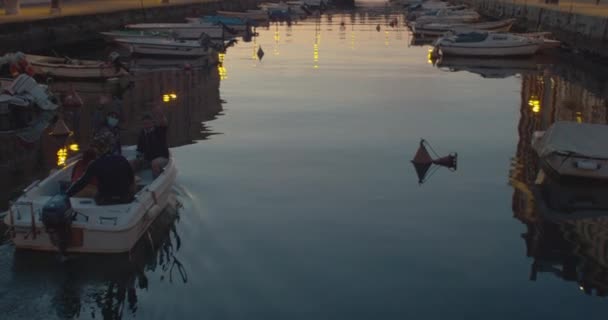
(152, 149)
(114, 175)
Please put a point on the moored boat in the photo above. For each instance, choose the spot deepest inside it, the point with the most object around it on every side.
(438, 29)
(449, 16)
(76, 68)
(186, 31)
(165, 47)
(249, 14)
(572, 151)
(234, 23)
(90, 228)
(479, 43)
(111, 35)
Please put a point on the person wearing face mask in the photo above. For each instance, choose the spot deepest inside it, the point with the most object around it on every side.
(111, 125)
(152, 148)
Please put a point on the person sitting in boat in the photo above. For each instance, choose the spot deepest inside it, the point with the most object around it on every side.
(115, 178)
(110, 124)
(152, 149)
(80, 167)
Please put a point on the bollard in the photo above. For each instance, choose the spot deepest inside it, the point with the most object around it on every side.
(55, 6)
(12, 7)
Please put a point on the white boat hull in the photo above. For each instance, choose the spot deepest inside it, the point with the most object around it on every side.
(87, 70)
(147, 49)
(435, 30)
(96, 229)
(164, 47)
(182, 30)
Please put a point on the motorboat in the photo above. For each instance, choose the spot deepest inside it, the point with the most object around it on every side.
(573, 151)
(87, 227)
(274, 5)
(186, 31)
(236, 23)
(439, 29)
(111, 35)
(77, 69)
(481, 43)
(547, 42)
(249, 14)
(166, 47)
(449, 16)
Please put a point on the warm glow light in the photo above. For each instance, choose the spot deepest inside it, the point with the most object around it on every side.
(534, 104)
(166, 98)
(277, 37)
(315, 50)
(386, 38)
(173, 96)
(220, 66)
(579, 117)
(74, 147)
(62, 155)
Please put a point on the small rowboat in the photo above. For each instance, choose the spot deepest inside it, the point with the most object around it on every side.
(92, 228)
(75, 68)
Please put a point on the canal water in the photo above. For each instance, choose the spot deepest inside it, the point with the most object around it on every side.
(297, 198)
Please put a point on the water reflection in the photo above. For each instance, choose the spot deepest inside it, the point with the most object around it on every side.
(566, 224)
(197, 100)
(491, 68)
(105, 287)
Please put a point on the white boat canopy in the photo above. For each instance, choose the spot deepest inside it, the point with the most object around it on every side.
(581, 139)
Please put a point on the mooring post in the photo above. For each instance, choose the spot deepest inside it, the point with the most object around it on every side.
(55, 6)
(12, 7)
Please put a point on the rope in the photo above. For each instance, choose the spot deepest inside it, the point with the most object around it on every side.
(429, 146)
(180, 269)
(429, 175)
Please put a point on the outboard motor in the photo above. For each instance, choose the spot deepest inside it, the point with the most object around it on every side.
(57, 216)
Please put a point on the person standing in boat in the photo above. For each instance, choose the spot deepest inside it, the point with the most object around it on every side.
(113, 172)
(109, 121)
(152, 148)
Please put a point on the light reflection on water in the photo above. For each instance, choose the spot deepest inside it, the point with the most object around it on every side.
(307, 206)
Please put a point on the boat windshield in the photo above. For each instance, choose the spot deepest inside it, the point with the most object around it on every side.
(471, 37)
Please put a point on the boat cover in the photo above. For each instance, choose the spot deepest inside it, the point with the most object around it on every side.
(583, 139)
